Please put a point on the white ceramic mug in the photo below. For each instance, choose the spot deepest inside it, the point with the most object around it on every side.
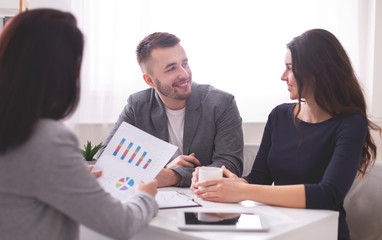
(206, 173)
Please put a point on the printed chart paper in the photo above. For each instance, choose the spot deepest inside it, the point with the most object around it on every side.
(131, 156)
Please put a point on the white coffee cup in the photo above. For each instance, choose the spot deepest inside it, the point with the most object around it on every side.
(206, 173)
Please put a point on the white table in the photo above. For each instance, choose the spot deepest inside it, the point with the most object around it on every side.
(285, 224)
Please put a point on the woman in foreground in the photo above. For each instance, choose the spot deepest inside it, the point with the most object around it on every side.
(46, 190)
(311, 150)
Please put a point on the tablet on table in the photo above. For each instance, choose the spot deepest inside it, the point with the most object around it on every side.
(218, 220)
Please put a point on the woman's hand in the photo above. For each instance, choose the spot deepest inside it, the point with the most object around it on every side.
(194, 179)
(96, 173)
(229, 189)
(229, 174)
(221, 190)
(149, 187)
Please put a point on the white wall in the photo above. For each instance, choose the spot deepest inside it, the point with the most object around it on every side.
(11, 7)
(376, 107)
(9, 4)
(64, 5)
(8, 8)
(253, 131)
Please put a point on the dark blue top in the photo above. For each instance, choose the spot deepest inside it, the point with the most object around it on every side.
(325, 161)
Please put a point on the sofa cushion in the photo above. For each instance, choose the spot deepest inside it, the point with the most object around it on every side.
(363, 205)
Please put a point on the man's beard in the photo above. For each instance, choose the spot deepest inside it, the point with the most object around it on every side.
(172, 92)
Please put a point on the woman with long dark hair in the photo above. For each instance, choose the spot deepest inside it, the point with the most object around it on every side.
(311, 150)
(46, 189)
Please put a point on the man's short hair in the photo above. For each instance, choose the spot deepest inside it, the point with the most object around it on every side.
(151, 42)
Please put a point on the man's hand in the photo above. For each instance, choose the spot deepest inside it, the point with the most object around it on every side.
(189, 161)
(167, 177)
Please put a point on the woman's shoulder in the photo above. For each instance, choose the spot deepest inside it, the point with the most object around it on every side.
(51, 126)
(285, 106)
(49, 143)
(354, 120)
(282, 109)
(355, 117)
(50, 132)
(282, 113)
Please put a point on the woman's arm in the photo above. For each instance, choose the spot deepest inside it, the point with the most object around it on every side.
(328, 193)
(284, 196)
(234, 189)
(70, 189)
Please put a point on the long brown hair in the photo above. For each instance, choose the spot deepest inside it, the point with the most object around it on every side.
(40, 60)
(318, 56)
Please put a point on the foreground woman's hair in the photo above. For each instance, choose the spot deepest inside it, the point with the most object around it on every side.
(38, 76)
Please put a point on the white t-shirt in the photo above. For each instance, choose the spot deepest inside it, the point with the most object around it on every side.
(175, 126)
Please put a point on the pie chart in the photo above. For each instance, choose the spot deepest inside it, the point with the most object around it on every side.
(124, 184)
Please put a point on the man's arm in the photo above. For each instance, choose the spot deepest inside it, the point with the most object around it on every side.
(167, 177)
(228, 141)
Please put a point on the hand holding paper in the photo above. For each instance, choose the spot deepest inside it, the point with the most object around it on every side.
(131, 156)
(149, 187)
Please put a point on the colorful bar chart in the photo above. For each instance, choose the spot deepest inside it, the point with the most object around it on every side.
(134, 154)
(140, 159)
(119, 147)
(126, 151)
(131, 156)
(147, 164)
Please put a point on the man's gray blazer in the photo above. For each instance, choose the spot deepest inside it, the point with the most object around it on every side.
(212, 126)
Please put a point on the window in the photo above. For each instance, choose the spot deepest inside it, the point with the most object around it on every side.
(235, 45)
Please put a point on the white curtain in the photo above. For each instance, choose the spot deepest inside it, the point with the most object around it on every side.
(235, 45)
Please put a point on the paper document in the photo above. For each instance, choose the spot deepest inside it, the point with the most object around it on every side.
(174, 199)
(131, 156)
